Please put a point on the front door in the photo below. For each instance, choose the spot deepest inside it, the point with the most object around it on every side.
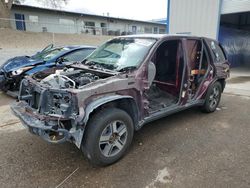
(20, 22)
(166, 88)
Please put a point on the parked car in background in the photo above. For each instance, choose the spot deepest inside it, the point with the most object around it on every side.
(14, 69)
(124, 84)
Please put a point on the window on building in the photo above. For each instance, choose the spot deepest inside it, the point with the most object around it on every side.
(162, 31)
(155, 30)
(134, 29)
(66, 21)
(148, 30)
(103, 25)
(90, 27)
(89, 24)
(111, 21)
(33, 18)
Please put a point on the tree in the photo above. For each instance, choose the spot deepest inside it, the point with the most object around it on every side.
(5, 8)
(54, 3)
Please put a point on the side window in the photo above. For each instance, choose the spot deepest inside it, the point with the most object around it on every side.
(78, 55)
(218, 55)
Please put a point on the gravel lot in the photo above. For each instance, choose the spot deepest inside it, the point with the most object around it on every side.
(188, 149)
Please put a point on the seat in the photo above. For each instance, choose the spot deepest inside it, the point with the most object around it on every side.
(151, 72)
(162, 66)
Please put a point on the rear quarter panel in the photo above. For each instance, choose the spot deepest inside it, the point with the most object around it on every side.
(221, 65)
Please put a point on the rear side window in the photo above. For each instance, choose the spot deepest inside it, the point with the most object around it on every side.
(218, 55)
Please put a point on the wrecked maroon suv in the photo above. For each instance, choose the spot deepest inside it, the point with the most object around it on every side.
(124, 84)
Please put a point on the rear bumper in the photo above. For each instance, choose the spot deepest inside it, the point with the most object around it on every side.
(39, 127)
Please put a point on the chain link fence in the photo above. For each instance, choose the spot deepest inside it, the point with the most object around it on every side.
(73, 27)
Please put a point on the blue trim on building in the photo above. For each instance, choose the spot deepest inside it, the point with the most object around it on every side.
(219, 15)
(168, 16)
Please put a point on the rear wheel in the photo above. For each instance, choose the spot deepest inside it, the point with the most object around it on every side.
(212, 98)
(108, 136)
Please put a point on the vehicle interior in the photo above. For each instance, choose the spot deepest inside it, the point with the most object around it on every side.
(197, 63)
(168, 62)
(166, 85)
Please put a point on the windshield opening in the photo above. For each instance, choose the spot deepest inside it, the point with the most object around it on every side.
(121, 54)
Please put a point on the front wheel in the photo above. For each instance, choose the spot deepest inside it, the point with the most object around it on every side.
(108, 136)
(212, 98)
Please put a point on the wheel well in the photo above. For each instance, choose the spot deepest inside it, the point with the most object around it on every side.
(128, 105)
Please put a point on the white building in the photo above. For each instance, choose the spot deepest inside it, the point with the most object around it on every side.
(37, 19)
(204, 17)
(226, 20)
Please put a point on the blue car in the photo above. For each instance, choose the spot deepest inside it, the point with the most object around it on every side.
(14, 69)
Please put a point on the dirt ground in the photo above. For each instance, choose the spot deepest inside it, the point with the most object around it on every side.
(12, 39)
(188, 149)
(15, 43)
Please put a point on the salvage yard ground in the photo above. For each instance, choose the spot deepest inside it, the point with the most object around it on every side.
(188, 149)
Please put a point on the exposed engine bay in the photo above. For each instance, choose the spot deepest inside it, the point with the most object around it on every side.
(68, 78)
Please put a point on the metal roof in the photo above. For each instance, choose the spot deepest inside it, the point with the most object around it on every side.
(17, 6)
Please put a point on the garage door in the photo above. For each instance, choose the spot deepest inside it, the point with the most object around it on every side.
(233, 6)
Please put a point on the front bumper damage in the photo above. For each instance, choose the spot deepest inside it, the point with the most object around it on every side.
(46, 127)
(9, 84)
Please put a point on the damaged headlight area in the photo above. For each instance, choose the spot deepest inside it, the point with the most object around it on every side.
(57, 103)
(62, 104)
(2, 79)
(21, 70)
(49, 113)
(51, 129)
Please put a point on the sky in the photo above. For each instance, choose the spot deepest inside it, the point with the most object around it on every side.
(132, 9)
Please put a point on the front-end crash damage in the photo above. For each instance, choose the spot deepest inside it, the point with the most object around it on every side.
(56, 104)
(52, 130)
(2, 80)
(48, 113)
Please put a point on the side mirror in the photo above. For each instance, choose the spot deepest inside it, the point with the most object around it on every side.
(151, 72)
(47, 48)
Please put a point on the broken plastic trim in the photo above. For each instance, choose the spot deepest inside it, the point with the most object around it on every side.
(48, 132)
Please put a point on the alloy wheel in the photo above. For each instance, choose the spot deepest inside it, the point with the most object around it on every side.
(214, 97)
(113, 138)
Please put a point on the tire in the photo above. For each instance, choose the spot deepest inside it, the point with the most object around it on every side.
(108, 136)
(213, 97)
